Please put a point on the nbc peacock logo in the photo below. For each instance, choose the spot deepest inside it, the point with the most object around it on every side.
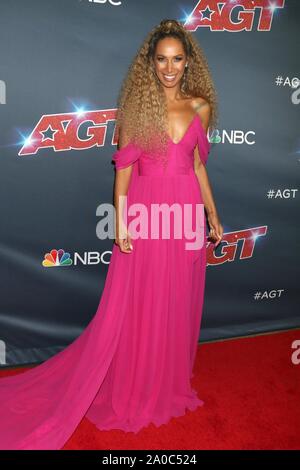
(57, 258)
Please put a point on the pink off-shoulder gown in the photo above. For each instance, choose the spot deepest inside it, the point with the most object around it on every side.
(133, 363)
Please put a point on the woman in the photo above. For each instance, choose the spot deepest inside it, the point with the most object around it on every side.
(133, 363)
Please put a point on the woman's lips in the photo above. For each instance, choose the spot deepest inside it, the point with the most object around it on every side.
(169, 78)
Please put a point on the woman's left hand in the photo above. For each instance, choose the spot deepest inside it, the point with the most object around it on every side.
(216, 228)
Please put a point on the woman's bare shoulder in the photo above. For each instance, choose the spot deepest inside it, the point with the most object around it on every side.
(203, 108)
(200, 103)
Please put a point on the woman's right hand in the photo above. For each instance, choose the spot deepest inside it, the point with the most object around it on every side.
(123, 239)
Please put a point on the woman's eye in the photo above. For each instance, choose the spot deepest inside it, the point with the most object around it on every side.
(162, 58)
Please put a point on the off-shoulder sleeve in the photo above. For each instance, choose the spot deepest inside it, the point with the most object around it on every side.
(126, 156)
(203, 144)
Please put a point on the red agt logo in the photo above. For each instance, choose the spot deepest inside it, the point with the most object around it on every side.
(218, 16)
(61, 131)
(228, 250)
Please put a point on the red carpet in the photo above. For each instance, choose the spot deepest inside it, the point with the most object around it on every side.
(251, 391)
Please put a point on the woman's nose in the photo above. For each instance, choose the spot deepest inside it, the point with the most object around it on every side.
(169, 67)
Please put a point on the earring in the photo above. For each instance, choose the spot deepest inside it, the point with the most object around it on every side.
(186, 65)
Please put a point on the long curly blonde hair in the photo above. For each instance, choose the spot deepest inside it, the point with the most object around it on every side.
(142, 107)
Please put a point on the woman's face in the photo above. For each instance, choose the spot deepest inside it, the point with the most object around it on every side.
(169, 61)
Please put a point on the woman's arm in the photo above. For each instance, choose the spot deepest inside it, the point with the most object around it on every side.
(121, 186)
(216, 229)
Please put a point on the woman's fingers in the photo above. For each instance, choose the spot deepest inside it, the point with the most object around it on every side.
(216, 235)
(128, 245)
(124, 244)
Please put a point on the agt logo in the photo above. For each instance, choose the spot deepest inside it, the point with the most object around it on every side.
(233, 15)
(69, 131)
(228, 251)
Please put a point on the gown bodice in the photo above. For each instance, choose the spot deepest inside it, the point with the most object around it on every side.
(180, 159)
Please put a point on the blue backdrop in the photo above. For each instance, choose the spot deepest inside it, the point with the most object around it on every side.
(61, 67)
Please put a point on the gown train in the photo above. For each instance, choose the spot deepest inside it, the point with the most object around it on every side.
(132, 365)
